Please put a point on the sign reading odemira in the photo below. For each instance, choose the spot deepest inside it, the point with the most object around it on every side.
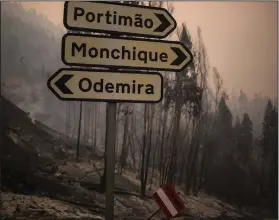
(98, 85)
(131, 53)
(125, 19)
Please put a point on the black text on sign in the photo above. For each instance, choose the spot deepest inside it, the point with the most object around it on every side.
(109, 17)
(77, 85)
(102, 51)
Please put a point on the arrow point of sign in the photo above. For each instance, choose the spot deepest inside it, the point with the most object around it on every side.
(61, 84)
(164, 23)
(180, 56)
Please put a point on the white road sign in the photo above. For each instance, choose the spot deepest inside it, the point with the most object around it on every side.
(129, 53)
(98, 85)
(124, 19)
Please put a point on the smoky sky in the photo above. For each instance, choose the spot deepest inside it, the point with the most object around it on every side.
(240, 37)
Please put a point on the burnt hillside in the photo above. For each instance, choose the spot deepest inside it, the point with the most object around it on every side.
(41, 180)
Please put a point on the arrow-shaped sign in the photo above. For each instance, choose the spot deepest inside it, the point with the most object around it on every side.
(129, 53)
(117, 18)
(61, 84)
(100, 85)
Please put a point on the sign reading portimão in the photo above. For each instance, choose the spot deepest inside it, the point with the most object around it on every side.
(118, 18)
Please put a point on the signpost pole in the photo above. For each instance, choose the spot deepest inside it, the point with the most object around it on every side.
(110, 158)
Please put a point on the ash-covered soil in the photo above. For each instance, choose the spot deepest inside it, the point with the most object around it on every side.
(42, 180)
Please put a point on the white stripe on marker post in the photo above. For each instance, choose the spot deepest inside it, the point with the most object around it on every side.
(164, 198)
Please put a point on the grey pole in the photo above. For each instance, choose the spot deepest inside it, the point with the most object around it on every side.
(110, 159)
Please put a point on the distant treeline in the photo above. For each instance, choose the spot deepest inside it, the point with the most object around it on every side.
(199, 138)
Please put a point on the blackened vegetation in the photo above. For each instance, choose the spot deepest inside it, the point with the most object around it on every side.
(30, 159)
(194, 138)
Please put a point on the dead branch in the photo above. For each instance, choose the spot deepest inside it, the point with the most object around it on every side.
(132, 194)
(92, 171)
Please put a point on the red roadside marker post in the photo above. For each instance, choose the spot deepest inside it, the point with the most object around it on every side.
(169, 202)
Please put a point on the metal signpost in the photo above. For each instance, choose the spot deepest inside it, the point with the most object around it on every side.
(112, 53)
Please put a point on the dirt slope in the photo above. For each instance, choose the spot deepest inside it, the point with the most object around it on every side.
(41, 180)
